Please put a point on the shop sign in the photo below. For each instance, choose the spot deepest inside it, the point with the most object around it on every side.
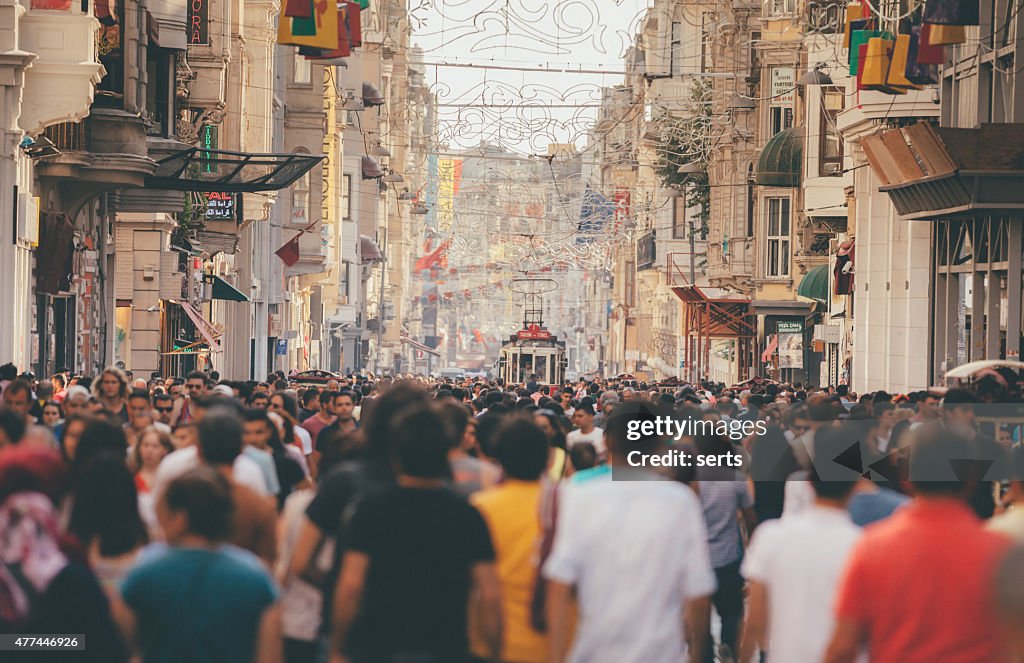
(198, 22)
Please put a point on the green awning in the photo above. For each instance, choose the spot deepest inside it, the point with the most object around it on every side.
(814, 284)
(224, 290)
(781, 160)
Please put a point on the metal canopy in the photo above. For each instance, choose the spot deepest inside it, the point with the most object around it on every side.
(202, 169)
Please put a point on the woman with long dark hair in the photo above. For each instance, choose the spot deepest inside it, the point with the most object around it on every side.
(105, 518)
(549, 422)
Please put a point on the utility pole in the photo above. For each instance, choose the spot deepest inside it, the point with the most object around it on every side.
(693, 256)
(379, 360)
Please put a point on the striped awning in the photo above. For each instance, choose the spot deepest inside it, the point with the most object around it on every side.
(420, 346)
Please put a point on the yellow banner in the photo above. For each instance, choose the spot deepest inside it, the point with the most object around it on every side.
(449, 172)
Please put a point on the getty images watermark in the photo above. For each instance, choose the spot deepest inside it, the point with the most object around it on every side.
(669, 427)
(691, 444)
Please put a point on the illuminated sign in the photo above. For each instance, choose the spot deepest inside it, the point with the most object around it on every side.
(219, 206)
(209, 138)
(198, 22)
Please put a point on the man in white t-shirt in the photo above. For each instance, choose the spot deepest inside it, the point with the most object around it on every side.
(245, 471)
(793, 567)
(636, 554)
(586, 431)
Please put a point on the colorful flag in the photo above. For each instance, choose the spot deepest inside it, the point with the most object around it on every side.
(318, 31)
(353, 23)
(432, 258)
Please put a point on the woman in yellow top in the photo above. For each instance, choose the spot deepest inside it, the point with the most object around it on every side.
(511, 510)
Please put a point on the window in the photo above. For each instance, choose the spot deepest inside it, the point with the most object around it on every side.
(779, 119)
(160, 90)
(684, 217)
(782, 7)
(826, 16)
(676, 50)
(680, 219)
(346, 197)
(777, 238)
(303, 75)
(831, 159)
(751, 199)
(705, 42)
(300, 200)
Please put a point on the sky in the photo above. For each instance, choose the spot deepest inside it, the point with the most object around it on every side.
(521, 110)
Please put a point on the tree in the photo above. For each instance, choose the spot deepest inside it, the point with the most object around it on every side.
(688, 141)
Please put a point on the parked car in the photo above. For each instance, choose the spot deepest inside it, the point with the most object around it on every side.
(313, 378)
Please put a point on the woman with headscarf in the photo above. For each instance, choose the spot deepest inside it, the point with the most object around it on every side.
(44, 587)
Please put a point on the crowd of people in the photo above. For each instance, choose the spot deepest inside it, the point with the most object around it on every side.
(415, 520)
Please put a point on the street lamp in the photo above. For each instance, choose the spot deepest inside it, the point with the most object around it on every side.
(815, 76)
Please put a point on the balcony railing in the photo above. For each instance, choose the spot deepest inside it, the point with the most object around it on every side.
(67, 136)
(735, 257)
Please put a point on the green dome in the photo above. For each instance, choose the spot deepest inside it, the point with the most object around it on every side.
(781, 160)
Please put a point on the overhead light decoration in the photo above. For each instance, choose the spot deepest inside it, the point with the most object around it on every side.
(372, 95)
(371, 169)
(379, 150)
(419, 208)
(393, 178)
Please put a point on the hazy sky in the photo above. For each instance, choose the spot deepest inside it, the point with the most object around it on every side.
(522, 110)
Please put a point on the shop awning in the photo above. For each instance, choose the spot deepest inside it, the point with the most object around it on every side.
(368, 249)
(781, 160)
(224, 290)
(203, 169)
(726, 317)
(781, 307)
(205, 328)
(420, 346)
(934, 173)
(814, 284)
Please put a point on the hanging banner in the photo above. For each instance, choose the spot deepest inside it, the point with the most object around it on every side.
(783, 89)
(449, 172)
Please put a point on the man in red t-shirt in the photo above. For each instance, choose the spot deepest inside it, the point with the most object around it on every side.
(324, 418)
(918, 586)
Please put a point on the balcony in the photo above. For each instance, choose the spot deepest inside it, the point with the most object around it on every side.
(646, 252)
(61, 83)
(314, 249)
(106, 151)
(873, 107)
(730, 261)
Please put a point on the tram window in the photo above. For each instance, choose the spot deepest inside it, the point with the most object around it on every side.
(541, 369)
